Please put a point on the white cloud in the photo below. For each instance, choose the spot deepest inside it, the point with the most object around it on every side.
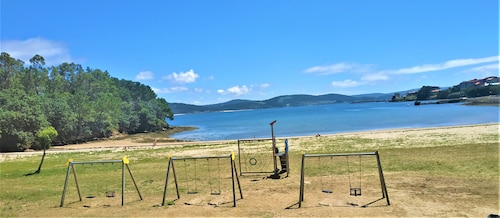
(235, 90)
(265, 85)
(443, 66)
(183, 77)
(178, 89)
(424, 68)
(170, 89)
(144, 75)
(200, 90)
(481, 71)
(370, 76)
(53, 52)
(330, 69)
(374, 77)
(346, 83)
(238, 90)
(490, 69)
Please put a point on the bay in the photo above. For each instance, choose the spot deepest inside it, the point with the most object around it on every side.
(328, 119)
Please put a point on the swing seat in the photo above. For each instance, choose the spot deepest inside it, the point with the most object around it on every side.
(215, 193)
(192, 192)
(110, 194)
(327, 191)
(355, 192)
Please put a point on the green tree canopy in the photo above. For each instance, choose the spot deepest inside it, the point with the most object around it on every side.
(80, 104)
(46, 136)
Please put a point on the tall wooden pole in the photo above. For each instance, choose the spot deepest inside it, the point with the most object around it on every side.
(301, 191)
(382, 180)
(275, 162)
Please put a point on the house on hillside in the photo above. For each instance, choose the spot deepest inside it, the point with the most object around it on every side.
(492, 80)
(467, 84)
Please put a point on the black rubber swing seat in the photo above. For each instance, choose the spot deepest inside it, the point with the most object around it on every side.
(215, 193)
(327, 191)
(355, 192)
(192, 192)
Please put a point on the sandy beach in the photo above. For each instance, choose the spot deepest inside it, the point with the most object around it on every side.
(413, 137)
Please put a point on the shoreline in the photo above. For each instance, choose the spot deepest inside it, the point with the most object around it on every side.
(128, 144)
(393, 130)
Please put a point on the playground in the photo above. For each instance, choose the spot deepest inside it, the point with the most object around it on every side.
(450, 171)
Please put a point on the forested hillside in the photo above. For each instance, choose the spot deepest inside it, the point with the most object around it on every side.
(280, 101)
(81, 104)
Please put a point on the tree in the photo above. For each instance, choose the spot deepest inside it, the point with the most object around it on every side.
(44, 138)
(473, 92)
(21, 118)
(425, 92)
(444, 94)
(9, 71)
(60, 116)
(395, 97)
(142, 110)
(82, 104)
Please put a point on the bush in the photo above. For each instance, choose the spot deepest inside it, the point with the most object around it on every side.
(45, 137)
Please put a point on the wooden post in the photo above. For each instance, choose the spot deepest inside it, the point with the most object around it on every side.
(232, 180)
(236, 172)
(123, 183)
(66, 183)
(301, 192)
(175, 180)
(274, 148)
(76, 182)
(133, 180)
(287, 150)
(170, 161)
(239, 157)
(382, 180)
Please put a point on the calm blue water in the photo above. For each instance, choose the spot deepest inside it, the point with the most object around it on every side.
(327, 119)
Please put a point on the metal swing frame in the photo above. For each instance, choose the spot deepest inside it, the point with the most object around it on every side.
(71, 168)
(171, 170)
(383, 187)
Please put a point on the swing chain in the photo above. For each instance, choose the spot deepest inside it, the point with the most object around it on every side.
(356, 191)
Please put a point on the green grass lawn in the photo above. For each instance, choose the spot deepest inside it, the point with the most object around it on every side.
(21, 195)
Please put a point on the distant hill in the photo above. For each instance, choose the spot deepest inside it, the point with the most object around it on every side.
(305, 100)
(280, 101)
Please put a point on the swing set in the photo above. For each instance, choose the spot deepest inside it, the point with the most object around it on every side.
(354, 187)
(71, 168)
(191, 184)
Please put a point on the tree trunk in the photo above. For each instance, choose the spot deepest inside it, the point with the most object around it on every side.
(41, 163)
(39, 166)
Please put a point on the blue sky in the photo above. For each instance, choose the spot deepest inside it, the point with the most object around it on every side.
(204, 52)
